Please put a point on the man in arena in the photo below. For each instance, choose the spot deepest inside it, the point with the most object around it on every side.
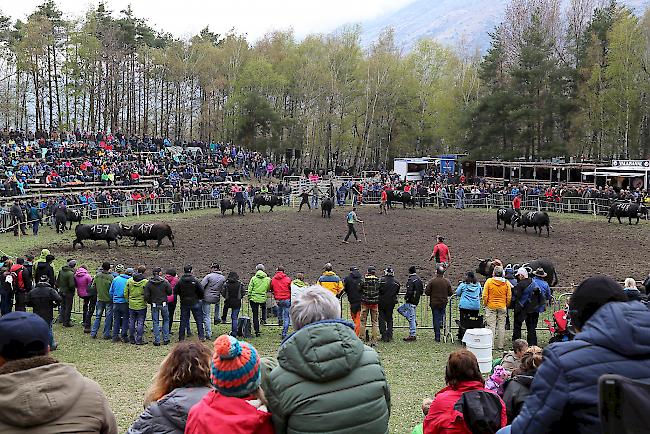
(441, 253)
(516, 203)
(352, 219)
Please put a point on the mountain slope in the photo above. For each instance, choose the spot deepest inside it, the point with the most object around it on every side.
(448, 21)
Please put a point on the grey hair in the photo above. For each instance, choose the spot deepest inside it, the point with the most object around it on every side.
(630, 283)
(260, 267)
(498, 271)
(314, 303)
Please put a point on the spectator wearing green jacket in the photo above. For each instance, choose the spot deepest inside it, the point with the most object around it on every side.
(258, 286)
(134, 294)
(102, 285)
(65, 283)
(325, 378)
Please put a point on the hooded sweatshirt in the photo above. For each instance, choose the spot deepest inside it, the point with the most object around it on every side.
(297, 286)
(102, 284)
(157, 290)
(134, 292)
(117, 288)
(281, 286)
(258, 286)
(470, 295)
(41, 396)
(65, 282)
(42, 256)
(82, 280)
(497, 293)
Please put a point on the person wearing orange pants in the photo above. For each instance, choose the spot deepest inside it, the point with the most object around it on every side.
(351, 289)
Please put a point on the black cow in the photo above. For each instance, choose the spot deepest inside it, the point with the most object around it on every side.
(486, 267)
(508, 216)
(535, 219)
(60, 219)
(266, 200)
(399, 196)
(629, 210)
(73, 215)
(107, 232)
(225, 205)
(326, 206)
(148, 231)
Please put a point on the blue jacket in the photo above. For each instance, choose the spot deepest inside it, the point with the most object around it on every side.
(116, 290)
(564, 394)
(470, 295)
(543, 287)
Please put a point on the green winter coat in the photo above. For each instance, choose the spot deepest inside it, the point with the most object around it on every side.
(134, 292)
(327, 380)
(258, 286)
(65, 280)
(102, 284)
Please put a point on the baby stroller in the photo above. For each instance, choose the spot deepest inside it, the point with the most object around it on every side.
(561, 329)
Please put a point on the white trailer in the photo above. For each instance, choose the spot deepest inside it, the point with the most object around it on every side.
(412, 169)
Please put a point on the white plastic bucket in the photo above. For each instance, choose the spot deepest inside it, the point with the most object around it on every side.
(479, 342)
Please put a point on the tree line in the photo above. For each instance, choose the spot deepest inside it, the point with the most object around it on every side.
(556, 81)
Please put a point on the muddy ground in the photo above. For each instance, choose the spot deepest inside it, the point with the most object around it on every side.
(579, 246)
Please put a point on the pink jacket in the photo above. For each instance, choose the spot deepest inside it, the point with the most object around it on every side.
(82, 281)
(173, 280)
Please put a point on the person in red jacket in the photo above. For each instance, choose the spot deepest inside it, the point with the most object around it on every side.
(383, 209)
(237, 405)
(281, 287)
(516, 203)
(441, 253)
(462, 374)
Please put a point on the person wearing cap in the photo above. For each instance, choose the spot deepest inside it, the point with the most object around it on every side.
(43, 299)
(388, 290)
(190, 292)
(212, 284)
(43, 265)
(65, 283)
(496, 297)
(258, 286)
(281, 287)
(101, 286)
(352, 290)
(237, 403)
(37, 393)
(330, 280)
(613, 337)
(414, 290)
(156, 292)
(120, 304)
(439, 290)
(340, 390)
(369, 288)
(441, 253)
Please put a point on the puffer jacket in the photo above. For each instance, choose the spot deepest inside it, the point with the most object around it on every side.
(281, 286)
(515, 392)
(443, 418)
(564, 394)
(82, 280)
(168, 414)
(497, 293)
(102, 284)
(325, 370)
(470, 295)
(212, 284)
(258, 286)
(38, 395)
(134, 292)
(65, 281)
(117, 288)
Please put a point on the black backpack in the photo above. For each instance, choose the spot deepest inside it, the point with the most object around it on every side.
(535, 301)
(481, 411)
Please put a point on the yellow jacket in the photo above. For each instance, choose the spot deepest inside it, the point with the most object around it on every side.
(331, 281)
(497, 293)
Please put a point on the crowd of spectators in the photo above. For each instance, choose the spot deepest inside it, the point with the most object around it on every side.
(323, 367)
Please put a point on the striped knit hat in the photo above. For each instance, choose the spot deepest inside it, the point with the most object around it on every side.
(235, 367)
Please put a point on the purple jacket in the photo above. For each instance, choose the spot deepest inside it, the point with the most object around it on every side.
(82, 280)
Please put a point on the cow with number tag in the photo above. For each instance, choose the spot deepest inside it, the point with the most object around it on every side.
(535, 219)
(73, 215)
(266, 200)
(148, 231)
(106, 232)
(508, 216)
(629, 210)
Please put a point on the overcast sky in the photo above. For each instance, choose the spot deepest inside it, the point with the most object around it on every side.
(253, 17)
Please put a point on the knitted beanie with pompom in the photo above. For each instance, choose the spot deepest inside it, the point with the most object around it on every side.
(235, 367)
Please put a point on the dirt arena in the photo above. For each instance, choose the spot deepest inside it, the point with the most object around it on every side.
(579, 246)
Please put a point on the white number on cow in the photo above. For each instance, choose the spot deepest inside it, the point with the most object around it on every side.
(99, 229)
(146, 228)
